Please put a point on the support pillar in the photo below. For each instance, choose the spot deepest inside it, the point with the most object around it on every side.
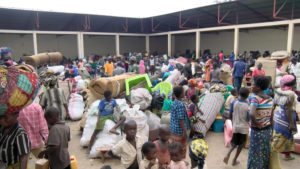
(290, 38)
(147, 43)
(236, 41)
(198, 44)
(80, 45)
(117, 44)
(169, 45)
(35, 47)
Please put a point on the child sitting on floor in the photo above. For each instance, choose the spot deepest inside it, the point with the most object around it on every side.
(176, 151)
(162, 146)
(129, 149)
(150, 156)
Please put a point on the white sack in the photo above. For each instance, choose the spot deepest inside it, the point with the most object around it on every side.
(56, 69)
(80, 85)
(76, 106)
(141, 97)
(152, 120)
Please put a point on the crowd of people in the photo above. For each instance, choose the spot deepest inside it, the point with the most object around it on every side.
(270, 112)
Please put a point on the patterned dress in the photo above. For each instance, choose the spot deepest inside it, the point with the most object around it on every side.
(260, 147)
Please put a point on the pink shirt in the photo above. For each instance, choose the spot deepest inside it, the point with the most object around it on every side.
(178, 165)
(32, 120)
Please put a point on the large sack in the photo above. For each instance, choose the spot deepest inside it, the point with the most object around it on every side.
(141, 97)
(84, 73)
(57, 69)
(80, 85)
(279, 55)
(165, 118)
(76, 106)
(152, 120)
(175, 78)
(210, 104)
(115, 84)
(43, 58)
(105, 139)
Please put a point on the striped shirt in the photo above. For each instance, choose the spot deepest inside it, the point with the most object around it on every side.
(263, 110)
(13, 144)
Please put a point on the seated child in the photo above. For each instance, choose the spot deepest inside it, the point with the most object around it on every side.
(176, 151)
(240, 129)
(57, 145)
(198, 150)
(106, 111)
(162, 145)
(192, 89)
(150, 156)
(229, 100)
(129, 149)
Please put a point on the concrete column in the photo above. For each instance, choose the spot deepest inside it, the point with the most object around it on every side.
(80, 45)
(198, 44)
(35, 47)
(147, 43)
(236, 41)
(169, 44)
(117, 44)
(290, 38)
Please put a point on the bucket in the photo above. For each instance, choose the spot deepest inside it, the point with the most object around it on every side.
(218, 125)
(73, 162)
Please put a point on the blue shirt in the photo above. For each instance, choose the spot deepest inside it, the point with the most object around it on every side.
(232, 57)
(239, 69)
(178, 112)
(107, 108)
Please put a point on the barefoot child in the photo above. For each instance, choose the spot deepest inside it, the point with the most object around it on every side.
(176, 151)
(162, 146)
(57, 145)
(129, 149)
(239, 109)
(179, 121)
(150, 156)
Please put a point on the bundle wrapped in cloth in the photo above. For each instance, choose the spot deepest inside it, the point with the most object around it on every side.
(18, 86)
(279, 55)
(43, 58)
(115, 84)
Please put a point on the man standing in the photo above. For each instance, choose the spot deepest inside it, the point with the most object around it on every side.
(118, 70)
(109, 67)
(33, 120)
(238, 72)
(221, 56)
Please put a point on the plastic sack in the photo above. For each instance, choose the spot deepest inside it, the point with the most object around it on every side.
(165, 118)
(152, 120)
(80, 85)
(141, 120)
(141, 97)
(164, 68)
(105, 139)
(56, 69)
(76, 106)
(227, 132)
(175, 78)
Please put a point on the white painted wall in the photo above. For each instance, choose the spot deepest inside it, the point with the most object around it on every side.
(132, 44)
(296, 43)
(182, 42)
(159, 44)
(99, 45)
(66, 44)
(19, 43)
(270, 39)
(217, 41)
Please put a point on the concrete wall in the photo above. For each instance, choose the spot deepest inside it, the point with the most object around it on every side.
(263, 39)
(296, 43)
(217, 41)
(132, 44)
(182, 42)
(159, 44)
(99, 44)
(19, 43)
(66, 44)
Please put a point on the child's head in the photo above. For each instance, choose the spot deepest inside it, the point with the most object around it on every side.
(107, 95)
(176, 150)
(164, 133)
(194, 98)
(130, 129)
(234, 92)
(260, 83)
(149, 150)
(178, 92)
(106, 167)
(52, 115)
(244, 93)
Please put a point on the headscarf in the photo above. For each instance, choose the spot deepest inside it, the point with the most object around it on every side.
(4, 51)
(287, 82)
(193, 82)
(142, 67)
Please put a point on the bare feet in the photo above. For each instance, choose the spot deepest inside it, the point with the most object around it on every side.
(225, 160)
(235, 163)
(114, 131)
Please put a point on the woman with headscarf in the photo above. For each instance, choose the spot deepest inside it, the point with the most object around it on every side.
(207, 69)
(192, 88)
(285, 117)
(142, 67)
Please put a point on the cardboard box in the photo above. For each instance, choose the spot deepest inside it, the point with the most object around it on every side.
(42, 164)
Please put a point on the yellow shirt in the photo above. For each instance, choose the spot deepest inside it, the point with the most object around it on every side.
(127, 152)
(109, 68)
(145, 162)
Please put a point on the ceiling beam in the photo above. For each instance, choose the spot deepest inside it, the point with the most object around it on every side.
(254, 11)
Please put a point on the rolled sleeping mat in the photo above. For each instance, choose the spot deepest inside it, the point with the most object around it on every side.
(43, 58)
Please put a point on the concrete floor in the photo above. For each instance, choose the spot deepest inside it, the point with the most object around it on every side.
(214, 160)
